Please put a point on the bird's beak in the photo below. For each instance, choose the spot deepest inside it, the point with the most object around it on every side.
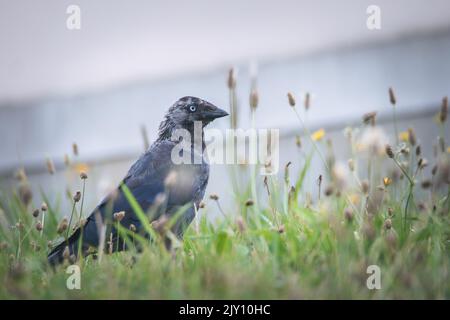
(215, 113)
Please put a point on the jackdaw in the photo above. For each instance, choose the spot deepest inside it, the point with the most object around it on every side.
(158, 183)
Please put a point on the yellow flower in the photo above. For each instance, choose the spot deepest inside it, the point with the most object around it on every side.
(404, 136)
(318, 135)
(387, 181)
(354, 198)
(81, 167)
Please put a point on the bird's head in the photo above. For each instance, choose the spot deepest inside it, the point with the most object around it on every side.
(186, 111)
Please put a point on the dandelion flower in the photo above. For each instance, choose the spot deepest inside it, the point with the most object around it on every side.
(318, 135)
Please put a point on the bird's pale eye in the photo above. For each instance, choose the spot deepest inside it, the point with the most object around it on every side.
(192, 108)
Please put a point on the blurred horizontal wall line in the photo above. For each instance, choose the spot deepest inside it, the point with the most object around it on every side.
(383, 118)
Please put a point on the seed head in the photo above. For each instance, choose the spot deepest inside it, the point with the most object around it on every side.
(118, 216)
(231, 79)
(389, 151)
(329, 190)
(201, 205)
(307, 101)
(75, 149)
(254, 98)
(412, 137)
(249, 203)
(444, 110)
(35, 213)
(83, 175)
(392, 98)
(77, 196)
(160, 225)
(291, 99)
(21, 175)
(351, 165)
(44, 207)
(422, 163)
(365, 186)
(298, 141)
(214, 197)
(370, 118)
(281, 229)
(348, 213)
(434, 170)
(62, 226)
(66, 253)
(390, 212)
(240, 224)
(418, 151)
(39, 226)
(25, 194)
(388, 224)
(426, 184)
(50, 166)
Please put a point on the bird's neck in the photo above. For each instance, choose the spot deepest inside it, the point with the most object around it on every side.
(168, 131)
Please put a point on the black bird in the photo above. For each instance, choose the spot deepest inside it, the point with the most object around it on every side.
(154, 179)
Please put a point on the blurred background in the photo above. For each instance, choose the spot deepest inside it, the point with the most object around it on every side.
(99, 85)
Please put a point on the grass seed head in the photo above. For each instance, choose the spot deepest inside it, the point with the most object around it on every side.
(387, 224)
(77, 196)
(50, 166)
(249, 202)
(241, 224)
(389, 151)
(418, 151)
(254, 99)
(39, 226)
(369, 118)
(231, 79)
(44, 207)
(25, 194)
(21, 176)
(348, 214)
(214, 197)
(118, 216)
(351, 165)
(365, 186)
(201, 205)
(132, 228)
(62, 226)
(83, 175)
(35, 213)
(75, 149)
(426, 183)
(307, 101)
(298, 141)
(291, 99)
(412, 137)
(444, 110)
(392, 98)
(66, 253)
(390, 212)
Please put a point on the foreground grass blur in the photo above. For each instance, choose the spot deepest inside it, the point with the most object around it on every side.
(389, 208)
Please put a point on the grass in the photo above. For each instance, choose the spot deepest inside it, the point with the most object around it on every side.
(284, 247)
